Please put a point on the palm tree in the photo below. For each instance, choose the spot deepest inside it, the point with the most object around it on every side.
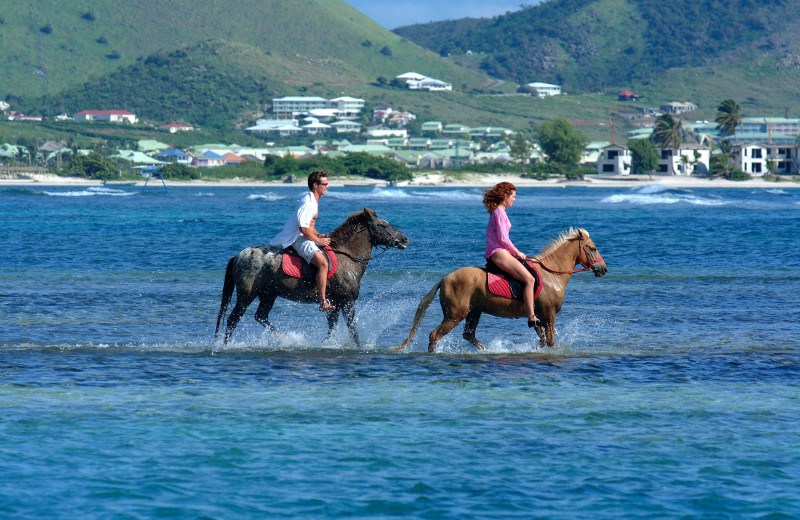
(667, 132)
(722, 163)
(729, 117)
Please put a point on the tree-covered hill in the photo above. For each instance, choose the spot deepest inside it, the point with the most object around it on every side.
(591, 44)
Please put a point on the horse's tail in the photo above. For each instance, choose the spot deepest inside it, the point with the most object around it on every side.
(421, 309)
(227, 294)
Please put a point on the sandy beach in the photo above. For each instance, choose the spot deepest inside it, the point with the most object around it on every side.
(441, 180)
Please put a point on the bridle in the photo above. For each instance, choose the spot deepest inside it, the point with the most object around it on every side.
(587, 265)
(370, 228)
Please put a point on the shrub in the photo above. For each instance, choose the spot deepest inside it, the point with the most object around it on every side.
(178, 171)
(739, 175)
(92, 166)
(90, 16)
(47, 29)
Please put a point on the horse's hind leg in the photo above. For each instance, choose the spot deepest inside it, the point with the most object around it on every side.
(470, 326)
(439, 332)
(266, 301)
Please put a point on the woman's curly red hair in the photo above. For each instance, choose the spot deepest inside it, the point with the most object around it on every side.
(493, 197)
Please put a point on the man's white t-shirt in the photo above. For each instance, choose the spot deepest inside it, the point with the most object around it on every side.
(306, 211)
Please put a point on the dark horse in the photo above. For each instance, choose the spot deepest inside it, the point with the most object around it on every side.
(256, 272)
(465, 294)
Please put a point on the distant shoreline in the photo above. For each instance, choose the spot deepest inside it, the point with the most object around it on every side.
(436, 180)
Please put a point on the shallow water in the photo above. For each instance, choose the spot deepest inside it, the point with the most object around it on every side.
(672, 390)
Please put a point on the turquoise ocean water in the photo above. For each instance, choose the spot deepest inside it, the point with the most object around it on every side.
(673, 390)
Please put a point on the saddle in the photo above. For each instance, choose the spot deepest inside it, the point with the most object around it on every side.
(295, 266)
(500, 283)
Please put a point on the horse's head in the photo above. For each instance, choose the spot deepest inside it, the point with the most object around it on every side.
(588, 256)
(382, 233)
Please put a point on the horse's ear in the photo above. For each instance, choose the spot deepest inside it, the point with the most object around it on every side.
(369, 212)
(582, 234)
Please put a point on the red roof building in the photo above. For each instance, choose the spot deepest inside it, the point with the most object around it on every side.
(627, 95)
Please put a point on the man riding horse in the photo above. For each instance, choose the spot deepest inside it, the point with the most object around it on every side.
(300, 233)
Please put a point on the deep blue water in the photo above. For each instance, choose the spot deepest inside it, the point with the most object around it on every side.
(672, 391)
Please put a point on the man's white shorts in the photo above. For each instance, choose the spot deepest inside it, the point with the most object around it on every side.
(305, 248)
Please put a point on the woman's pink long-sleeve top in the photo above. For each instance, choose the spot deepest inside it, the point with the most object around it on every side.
(497, 233)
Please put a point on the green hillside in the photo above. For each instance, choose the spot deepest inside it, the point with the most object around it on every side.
(699, 50)
(50, 47)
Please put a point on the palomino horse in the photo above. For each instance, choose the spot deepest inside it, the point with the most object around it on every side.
(256, 272)
(465, 294)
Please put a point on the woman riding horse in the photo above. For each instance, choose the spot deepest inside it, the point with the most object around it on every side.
(500, 250)
(465, 293)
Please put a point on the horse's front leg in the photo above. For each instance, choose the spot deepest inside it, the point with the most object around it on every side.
(551, 331)
(333, 319)
(266, 301)
(349, 311)
(470, 326)
(541, 331)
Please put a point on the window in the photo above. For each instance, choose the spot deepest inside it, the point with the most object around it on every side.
(756, 153)
(613, 154)
(608, 168)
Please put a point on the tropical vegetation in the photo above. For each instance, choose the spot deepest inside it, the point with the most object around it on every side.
(667, 132)
(562, 144)
(644, 156)
(729, 117)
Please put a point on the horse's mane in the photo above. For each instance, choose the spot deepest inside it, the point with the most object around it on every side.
(347, 227)
(564, 236)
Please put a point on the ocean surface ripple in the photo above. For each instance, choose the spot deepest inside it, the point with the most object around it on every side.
(672, 390)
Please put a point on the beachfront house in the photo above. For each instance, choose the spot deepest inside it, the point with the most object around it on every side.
(683, 160)
(751, 158)
(784, 159)
(614, 159)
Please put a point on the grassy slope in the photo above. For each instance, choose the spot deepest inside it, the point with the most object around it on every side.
(296, 32)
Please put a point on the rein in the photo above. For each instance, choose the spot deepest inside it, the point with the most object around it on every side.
(572, 271)
(363, 261)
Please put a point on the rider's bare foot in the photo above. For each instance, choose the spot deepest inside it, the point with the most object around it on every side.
(532, 322)
(326, 306)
